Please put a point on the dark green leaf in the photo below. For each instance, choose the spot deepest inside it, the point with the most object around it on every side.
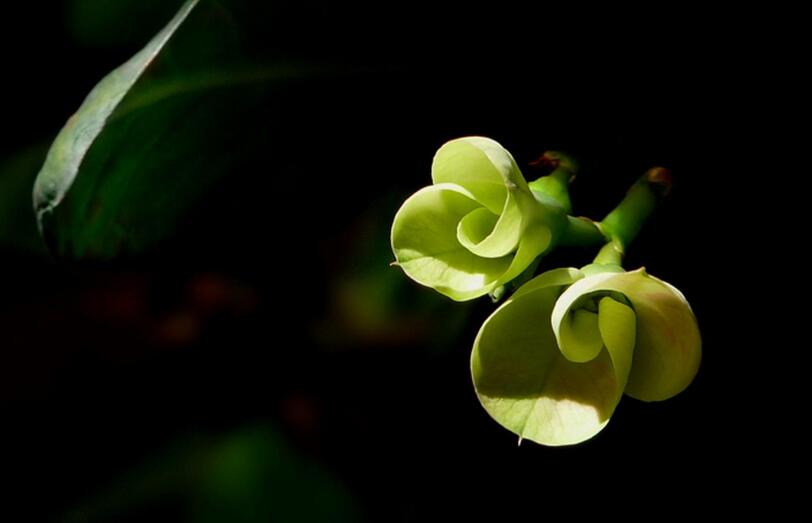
(251, 474)
(154, 136)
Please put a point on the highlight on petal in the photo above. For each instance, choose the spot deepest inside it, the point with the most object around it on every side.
(527, 385)
(477, 227)
(666, 340)
(424, 239)
(482, 166)
(489, 235)
(617, 322)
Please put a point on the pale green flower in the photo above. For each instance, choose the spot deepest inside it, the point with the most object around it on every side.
(552, 362)
(478, 226)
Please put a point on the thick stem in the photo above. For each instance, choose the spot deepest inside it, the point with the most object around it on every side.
(623, 224)
(610, 254)
(625, 221)
(582, 232)
(554, 186)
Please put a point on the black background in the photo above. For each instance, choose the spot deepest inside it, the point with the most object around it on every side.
(89, 393)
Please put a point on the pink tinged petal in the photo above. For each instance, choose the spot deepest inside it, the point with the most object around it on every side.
(667, 342)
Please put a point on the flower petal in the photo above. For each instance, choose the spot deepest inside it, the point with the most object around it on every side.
(480, 165)
(561, 277)
(579, 337)
(537, 236)
(667, 348)
(617, 323)
(424, 240)
(491, 236)
(525, 383)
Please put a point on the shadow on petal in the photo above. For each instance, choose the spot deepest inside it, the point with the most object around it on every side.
(526, 384)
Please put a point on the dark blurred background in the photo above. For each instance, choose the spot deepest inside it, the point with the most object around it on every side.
(264, 363)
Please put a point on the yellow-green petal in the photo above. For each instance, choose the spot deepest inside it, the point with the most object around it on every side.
(526, 384)
(482, 166)
(560, 278)
(579, 337)
(489, 235)
(424, 240)
(481, 229)
(537, 235)
(667, 348)
(617, 323)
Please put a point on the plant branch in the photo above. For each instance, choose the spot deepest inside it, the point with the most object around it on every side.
(623, 224)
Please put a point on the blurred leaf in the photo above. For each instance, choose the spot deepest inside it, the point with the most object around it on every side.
(255, 476)
(372, 305)
(18, 228)
(252, 475)
(154, 136)
(71, 151)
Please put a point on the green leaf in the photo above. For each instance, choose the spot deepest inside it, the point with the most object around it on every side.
(250, 474)
(155, 135)
(527, 385)
(667, 344)
(257, 475)
(478, 227)
(80, 132)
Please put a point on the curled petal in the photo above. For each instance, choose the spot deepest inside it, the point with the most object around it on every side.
(488, 235)
(477, 227)
(667, 344)
(424, 239)
(579, 337)
(537, 235)
(482, 166)
(525, 383)
(617, 322)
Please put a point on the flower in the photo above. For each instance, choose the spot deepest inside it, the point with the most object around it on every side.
(478, 226)
(552, 363)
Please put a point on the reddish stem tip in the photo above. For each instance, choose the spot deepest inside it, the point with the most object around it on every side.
(546, 161)
(659, 176)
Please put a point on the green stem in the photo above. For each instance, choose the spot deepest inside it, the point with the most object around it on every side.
(626, 220)
(582, 232)
(610, 254)
(623, 224)
(555, 186)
